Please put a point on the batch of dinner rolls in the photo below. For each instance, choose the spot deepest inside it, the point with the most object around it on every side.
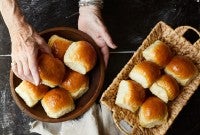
(64, 76)
(154, 82)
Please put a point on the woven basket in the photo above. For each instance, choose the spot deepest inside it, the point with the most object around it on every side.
(175, 39)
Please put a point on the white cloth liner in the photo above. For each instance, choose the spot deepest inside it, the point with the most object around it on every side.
(96, 121)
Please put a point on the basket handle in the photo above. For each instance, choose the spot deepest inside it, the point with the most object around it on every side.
(183, 29)
(124, 126)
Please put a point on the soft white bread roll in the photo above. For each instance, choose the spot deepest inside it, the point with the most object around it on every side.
(77, 84)
(145, 73)
(166, 88)
(80, 57)
(51, 70)
(130, 95)
(182, 69)
(31, 93)
(57, 102)
(153, 112)
(59, 46)
(159, 53)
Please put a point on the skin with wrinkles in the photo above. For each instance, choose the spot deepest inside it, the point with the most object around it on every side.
(26, 42)
(96, 29)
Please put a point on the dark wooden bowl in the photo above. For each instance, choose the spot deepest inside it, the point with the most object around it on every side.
(83, 103)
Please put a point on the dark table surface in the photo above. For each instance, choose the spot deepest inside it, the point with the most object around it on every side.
(128, 21)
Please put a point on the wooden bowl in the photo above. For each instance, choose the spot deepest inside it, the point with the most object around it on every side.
(96, 76)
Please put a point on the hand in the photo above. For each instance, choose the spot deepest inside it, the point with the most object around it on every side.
(90, 22)
(25, 46)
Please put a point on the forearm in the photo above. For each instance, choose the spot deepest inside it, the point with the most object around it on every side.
(12, 16)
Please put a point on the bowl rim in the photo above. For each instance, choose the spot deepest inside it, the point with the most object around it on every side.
(87, 105)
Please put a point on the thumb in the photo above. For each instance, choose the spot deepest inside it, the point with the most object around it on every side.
(43, 46)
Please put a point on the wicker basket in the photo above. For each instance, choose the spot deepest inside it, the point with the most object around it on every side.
(175, 39)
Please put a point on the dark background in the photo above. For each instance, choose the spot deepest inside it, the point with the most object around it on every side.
(128, 21)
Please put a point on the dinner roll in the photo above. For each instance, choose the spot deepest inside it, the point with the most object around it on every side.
(159, 53)
(57, 102)
(77, 84)
(153, 112)
(80, 57)
(182, 69)
(145, 73)
(31, 93)
(130, 95)
(51, 70)
(166, 88)
(59, 46)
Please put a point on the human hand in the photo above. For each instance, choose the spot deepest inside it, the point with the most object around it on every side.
(90, 22)
(25, 46)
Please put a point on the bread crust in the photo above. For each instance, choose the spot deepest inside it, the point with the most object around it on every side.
(182, 69)
(51, 70)
(148, 70)
(130, 95)
(153, 112)
(59, 45)
(80, 56)
(77, 84)
(57, 102)
(159, 53)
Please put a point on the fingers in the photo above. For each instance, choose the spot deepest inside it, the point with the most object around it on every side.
(104, 49)
(33, 66)
(43, 45)
(19, 68)
(21, 71)
(106, 37)
(26, 70)
(91, 23)
(105, 52)
(25, 57)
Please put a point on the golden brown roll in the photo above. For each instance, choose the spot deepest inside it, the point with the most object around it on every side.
(57, 102)
(159, 53)
(80, 57)
(51, 70)
(182, 69)
(31, 93)
(77, 84)
(145, 73)
(166, 88)
(153, 112)
(59, 46)
(130, 95)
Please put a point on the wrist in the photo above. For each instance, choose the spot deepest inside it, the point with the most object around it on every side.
(85, 10)
(20, 26)
(86, 3)
(22, 31)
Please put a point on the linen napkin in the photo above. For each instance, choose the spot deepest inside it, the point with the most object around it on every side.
(96, 121)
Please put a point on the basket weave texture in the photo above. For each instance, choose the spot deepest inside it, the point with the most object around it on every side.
(180, 46)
